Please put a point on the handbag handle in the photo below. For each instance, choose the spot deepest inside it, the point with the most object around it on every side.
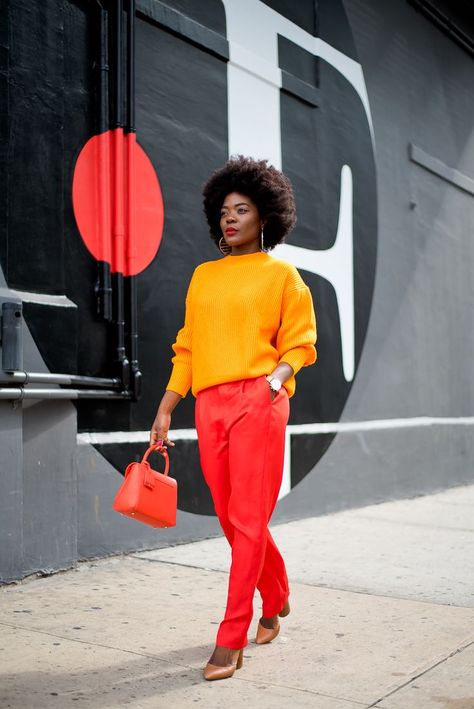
(164, 453)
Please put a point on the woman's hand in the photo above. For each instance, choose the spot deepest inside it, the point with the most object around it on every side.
(273, 392)
(162, 422)
(159, 431)
(283, 372)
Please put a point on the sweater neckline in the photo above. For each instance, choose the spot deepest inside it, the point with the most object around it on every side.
(246, 257)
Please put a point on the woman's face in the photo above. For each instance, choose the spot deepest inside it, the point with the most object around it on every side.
(240, 223)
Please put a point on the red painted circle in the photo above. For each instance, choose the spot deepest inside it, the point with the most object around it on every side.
(118, 225)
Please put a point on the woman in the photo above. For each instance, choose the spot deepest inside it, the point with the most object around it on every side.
(249, 328)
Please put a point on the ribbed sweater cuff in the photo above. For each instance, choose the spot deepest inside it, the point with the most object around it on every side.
(296, 358)
(180, 380)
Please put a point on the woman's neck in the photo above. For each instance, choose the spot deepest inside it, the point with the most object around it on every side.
(241, 252)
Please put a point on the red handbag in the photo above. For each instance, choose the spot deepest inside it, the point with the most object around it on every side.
(146, 495)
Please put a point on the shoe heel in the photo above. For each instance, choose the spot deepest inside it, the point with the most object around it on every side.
(285, 610)
(240, 659)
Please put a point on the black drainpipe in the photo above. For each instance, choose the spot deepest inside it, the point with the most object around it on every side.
(135, 373)
(104, 285)
(121, 362)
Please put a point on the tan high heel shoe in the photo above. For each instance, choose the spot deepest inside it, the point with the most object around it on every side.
(212, 672)
(266, 635)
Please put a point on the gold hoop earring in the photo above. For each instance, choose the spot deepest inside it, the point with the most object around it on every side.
(224, 249)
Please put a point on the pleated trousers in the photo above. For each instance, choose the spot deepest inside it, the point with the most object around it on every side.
(241, 437)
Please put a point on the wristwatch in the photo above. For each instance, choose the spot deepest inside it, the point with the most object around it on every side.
(275, 384)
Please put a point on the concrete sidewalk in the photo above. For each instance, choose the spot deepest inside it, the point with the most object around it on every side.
(382, 616)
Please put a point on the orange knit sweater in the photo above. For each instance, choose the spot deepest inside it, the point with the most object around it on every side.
(244, 315)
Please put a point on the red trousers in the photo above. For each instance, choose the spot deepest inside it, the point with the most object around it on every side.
(241, 436)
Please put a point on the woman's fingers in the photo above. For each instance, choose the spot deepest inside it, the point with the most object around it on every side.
(153, 437)
(166, 442)
(159, 431)
(159, 437)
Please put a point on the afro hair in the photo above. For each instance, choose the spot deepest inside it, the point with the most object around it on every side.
(267, 187)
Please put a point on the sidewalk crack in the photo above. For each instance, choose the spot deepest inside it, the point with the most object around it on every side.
(96, 644)
(420, 674)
